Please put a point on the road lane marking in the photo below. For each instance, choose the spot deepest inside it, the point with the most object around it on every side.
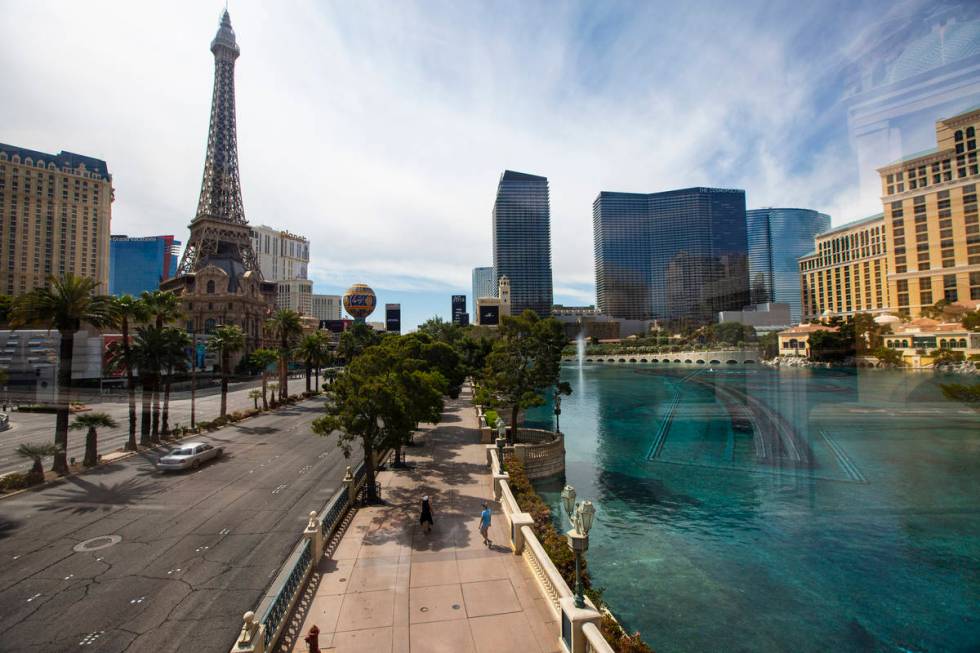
(201, 548)
(90, 638)
(34, 597)
(137, 600)
(224, 531)
(69, 576)
(280, 489)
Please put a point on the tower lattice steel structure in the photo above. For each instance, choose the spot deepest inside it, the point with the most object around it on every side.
(219, 232)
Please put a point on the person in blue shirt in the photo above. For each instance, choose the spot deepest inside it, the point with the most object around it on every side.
(485, 524)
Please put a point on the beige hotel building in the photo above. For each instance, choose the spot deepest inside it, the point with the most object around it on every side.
(930, 204)
(924, 247)
(55, 211)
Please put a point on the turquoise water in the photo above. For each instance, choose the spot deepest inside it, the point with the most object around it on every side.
(778, 510)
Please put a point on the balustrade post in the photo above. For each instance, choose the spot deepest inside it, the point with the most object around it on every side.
(251, 639)
(572, 620)
(314, 533)
(517, 520)
(351, 486)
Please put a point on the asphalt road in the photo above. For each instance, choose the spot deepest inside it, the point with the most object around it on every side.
(39, 427)
(195, 549)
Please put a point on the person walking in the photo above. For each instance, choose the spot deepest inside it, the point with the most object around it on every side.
(426, 517)
(485, 525)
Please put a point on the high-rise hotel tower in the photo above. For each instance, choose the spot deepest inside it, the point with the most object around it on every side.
(54, 218)
(522, 241)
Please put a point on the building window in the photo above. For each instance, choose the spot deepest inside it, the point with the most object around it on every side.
(210, 287)
(209, 325)
(949, 287)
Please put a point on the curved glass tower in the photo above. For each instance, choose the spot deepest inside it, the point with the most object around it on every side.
(777, 239)
(522, 241)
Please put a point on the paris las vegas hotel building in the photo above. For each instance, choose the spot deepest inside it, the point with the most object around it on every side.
(924, 246)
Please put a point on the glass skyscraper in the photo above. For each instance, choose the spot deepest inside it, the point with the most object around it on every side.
(522, 241)
(484, 285)
(777, 239)
(678, 256)
(138, 264)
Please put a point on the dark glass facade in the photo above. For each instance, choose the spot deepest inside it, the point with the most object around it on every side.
(777, 238)
(138, 264)
(484, 285)
(679, 256)
(522, 241)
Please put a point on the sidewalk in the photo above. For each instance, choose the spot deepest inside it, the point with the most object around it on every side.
(389, 587)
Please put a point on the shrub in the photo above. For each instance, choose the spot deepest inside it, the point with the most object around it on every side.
(16, 481)
(491, 417)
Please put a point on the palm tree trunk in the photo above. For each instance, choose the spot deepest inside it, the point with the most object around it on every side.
(309, 373)
(165, 417)
(318, 379)
(91, 448)
(146, 399)
(155, 434)
(370, 490)
(265, 403)
(130, 388)
(283, 372)
(65, 354)
(224, 383)
(513, 423)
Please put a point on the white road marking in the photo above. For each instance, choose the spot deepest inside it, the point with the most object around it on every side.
(137, 600)
(201, 548)
(174, 571)
(280, 488)
(16, 556)
(69, 576)
(90, 638)
(224, 531)
(33, 597)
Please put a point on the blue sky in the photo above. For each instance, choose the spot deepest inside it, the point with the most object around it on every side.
(379, 129)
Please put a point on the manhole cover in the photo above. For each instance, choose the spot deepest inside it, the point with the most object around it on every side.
(96, 543)
(423, 609)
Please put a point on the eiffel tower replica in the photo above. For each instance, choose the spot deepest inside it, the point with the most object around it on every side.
(219, 279)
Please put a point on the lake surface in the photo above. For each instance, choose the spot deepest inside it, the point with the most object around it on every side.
(778, 510)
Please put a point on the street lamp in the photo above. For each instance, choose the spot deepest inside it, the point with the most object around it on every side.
(501, 442)
(581, 516)
(557, 411)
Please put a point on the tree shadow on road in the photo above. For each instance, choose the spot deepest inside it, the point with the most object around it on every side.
(7, 527)
(79, 496)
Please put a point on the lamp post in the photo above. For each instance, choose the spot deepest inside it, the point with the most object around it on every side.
(581, 516)
(557, 412)
(501, 441)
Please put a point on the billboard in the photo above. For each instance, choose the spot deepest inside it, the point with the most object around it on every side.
(459, 307)
(393, 318)
(335, 326)
(490, 315)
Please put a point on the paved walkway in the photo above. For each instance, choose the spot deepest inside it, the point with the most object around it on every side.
(389, 587)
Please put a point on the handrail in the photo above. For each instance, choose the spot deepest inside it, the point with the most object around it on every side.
(289, 580)
(494, 463)
(594, 641)
(507, 500)
(333, 513)
(552, 583)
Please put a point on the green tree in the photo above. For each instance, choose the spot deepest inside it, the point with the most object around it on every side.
(972, 321)
(148, 355)
(226, 340)
(6, 303)
(255, 395)
(442, 331)
(830, 346)
(92, 422)
(163, 307)
(129, 311)
(473, 351)
(730, 333)
(312, 351)
(524, 362)
(174, 359)
(286, 327)
(769, 344)
(888, 356)
(65, 305)
(937, 311)
(262, 359)
(36, 453)
(946, 356)
(355, 340)
(378, 401)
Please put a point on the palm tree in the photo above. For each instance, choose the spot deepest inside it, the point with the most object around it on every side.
(65, 304)
(311, 350)
(255, 395)
(262, 359)
(148, 349)
(92, 422)
(286, 327)
(164, 308)
(129, 310)
(226, 340)
(174, 359)
(36, 452)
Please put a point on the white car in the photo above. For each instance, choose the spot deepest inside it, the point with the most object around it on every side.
(189, 455)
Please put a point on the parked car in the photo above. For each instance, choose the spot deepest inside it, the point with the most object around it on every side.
(189, 455)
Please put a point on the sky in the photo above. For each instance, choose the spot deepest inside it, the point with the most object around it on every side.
(380, 129)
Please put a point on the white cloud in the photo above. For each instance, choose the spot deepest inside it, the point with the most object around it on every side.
(380, 129)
